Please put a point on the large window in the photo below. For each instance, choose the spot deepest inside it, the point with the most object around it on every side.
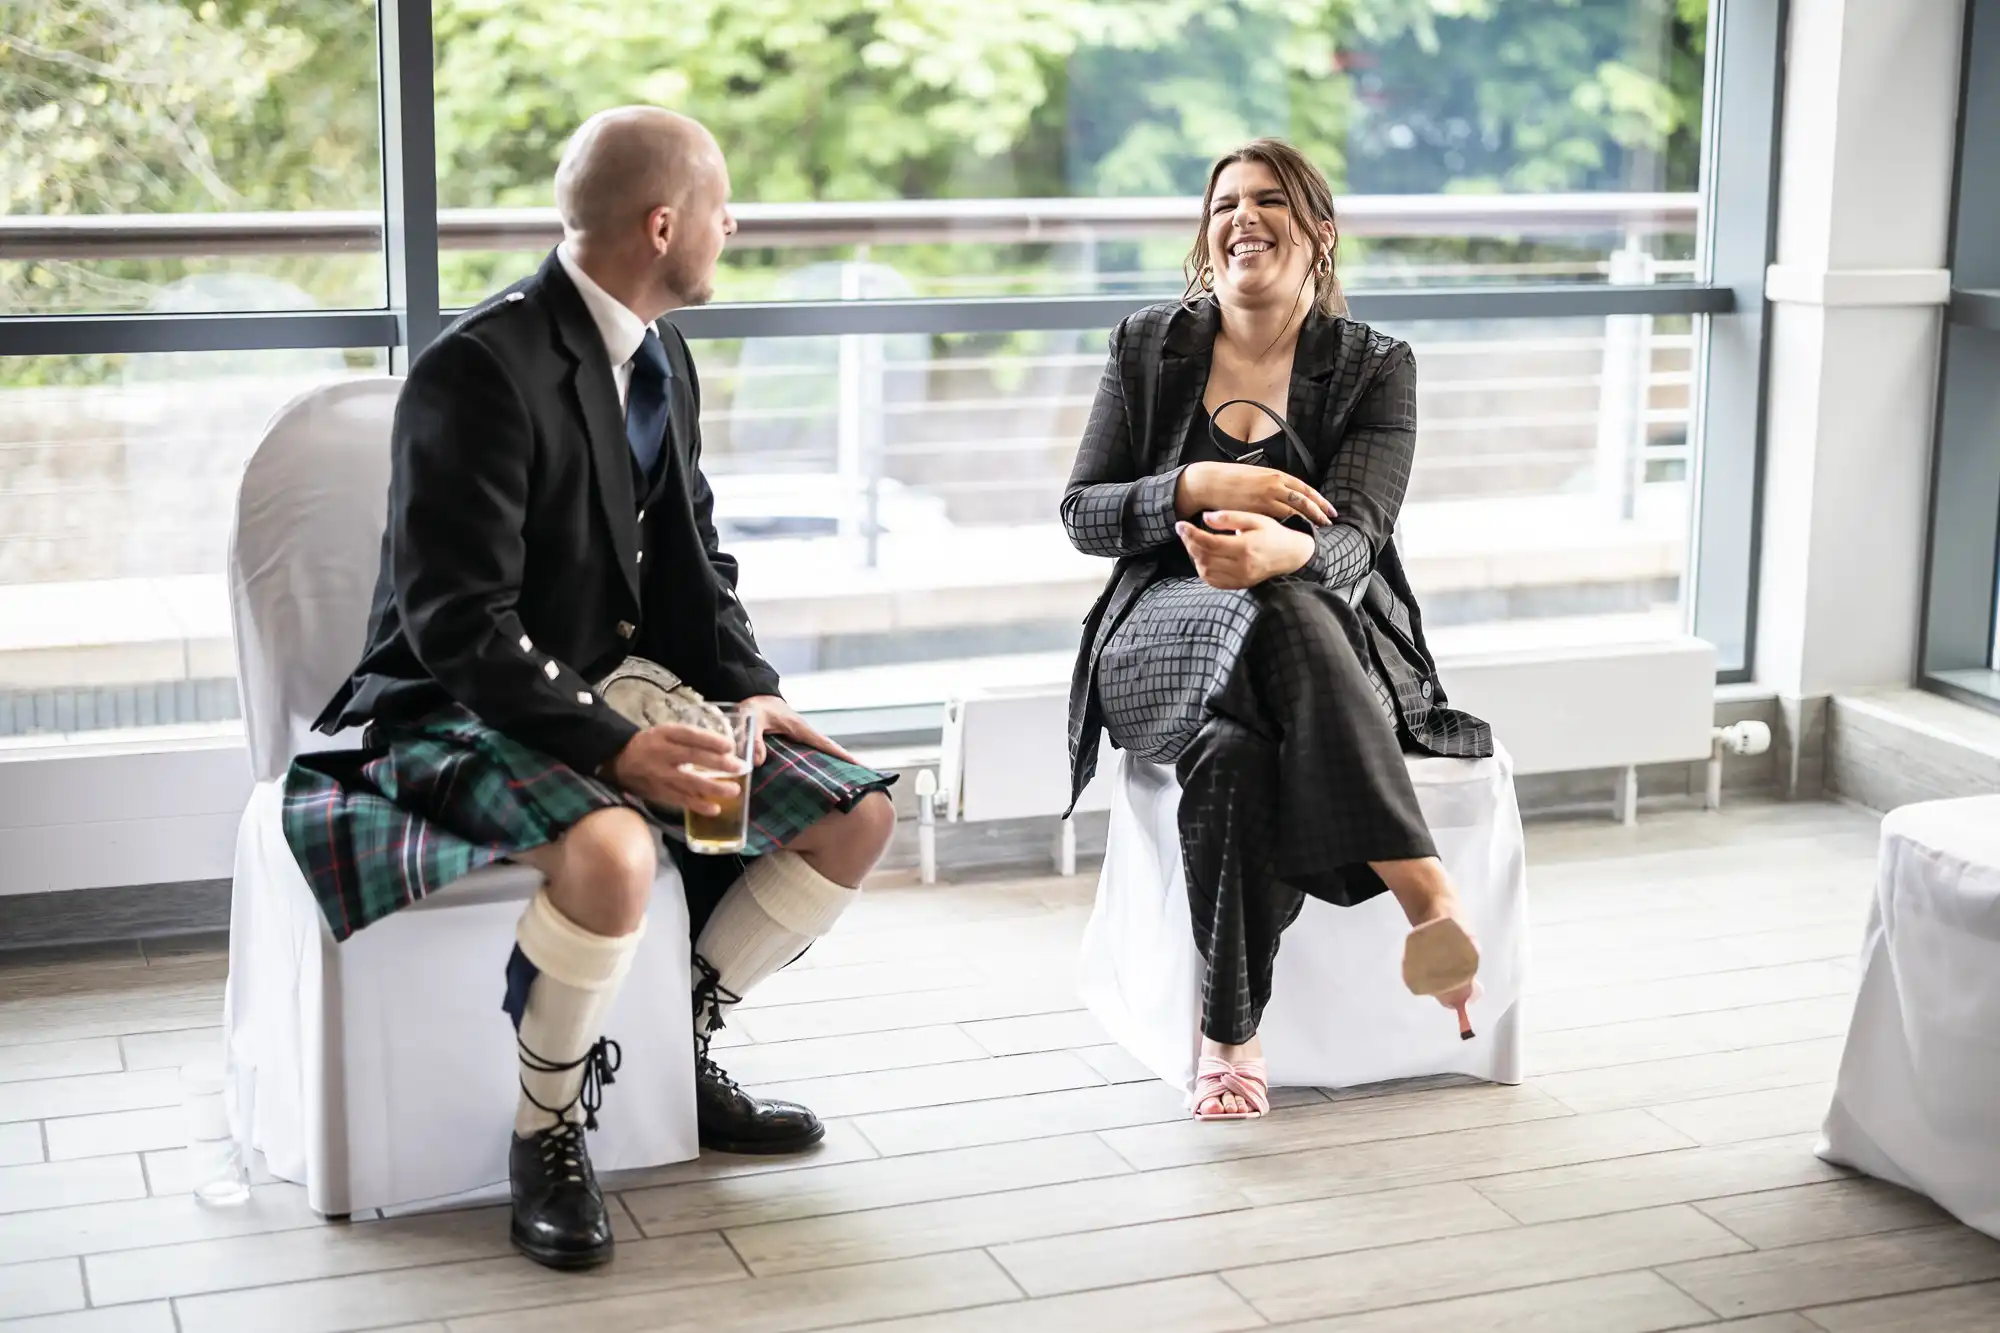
(944, 206)
(1960, 654)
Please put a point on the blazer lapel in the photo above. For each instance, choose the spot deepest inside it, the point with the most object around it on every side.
(681, 543)
(1180, 382)
(596, 405)
(1313, 367)
(682, 424)
(671, 478)
(677, 460)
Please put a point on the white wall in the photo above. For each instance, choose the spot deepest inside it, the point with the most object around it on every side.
(149, 810)
(1871, 107)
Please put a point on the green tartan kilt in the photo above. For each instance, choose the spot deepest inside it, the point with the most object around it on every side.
(427, 802)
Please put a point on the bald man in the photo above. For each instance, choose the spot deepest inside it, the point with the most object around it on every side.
(549, 525)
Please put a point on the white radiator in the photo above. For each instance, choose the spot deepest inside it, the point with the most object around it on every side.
(1616, 706)
(1605, 706)
(1006, 756)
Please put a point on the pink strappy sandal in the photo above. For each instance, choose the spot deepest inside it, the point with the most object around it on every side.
(1246, 1079)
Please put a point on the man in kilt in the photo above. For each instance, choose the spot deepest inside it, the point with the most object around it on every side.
(548, 522)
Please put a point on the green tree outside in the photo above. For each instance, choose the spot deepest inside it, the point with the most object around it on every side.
(173, 106)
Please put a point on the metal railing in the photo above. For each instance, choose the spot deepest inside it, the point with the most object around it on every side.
(1608, 407)
(1066, 289)
(877, 222)
(857, 418)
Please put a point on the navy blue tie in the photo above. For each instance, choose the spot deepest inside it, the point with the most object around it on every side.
(646, 404)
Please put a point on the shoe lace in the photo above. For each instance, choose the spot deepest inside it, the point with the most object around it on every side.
(600, 1070)
(710, 995)
(562, 1142)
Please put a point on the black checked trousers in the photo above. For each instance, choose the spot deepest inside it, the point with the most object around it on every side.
(1272, 710)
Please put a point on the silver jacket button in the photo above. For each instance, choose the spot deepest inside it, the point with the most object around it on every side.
(626, 629)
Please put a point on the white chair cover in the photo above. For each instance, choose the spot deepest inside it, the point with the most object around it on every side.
(1918, 1095)
(303, 558)
(1339, 1014)
(381, 1072)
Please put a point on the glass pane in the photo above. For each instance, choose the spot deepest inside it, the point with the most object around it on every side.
(893, 500)
(189, 155)
(1961, 638)
(1549, 504)
(1980, 681)
(1962, 583)
(961, 149)
(117, 484)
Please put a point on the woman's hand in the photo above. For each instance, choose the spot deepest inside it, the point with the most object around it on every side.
(1245, 550)
(1249, 489)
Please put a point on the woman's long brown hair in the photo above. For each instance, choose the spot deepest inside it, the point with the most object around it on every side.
(1311, 203)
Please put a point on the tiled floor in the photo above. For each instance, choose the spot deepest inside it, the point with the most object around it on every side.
(994, 1164)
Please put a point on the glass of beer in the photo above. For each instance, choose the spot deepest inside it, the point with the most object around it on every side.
(728, 830)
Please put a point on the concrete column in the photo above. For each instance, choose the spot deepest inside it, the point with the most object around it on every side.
(1864, 193)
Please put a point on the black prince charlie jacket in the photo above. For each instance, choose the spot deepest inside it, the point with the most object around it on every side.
(522, 562)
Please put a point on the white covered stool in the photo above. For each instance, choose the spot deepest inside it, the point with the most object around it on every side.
(1917, 1100)
(1339, 1014)
(381, 1071)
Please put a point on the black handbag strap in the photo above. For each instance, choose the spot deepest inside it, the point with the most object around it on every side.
(1294, 447)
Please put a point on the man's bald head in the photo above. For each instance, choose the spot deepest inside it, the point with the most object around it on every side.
(622, 164)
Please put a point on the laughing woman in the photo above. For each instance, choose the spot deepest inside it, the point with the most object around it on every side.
(1245, 461)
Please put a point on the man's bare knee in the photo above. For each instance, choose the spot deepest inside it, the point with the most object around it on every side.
(603, 870)
(874, 824)
(845, 847)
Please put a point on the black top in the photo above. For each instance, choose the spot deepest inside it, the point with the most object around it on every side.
(1207, 442)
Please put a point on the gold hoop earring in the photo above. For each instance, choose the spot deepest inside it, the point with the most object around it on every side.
(1324, 267)
(1207, 277)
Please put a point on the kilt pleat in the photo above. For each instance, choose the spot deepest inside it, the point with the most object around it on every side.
(428, 802)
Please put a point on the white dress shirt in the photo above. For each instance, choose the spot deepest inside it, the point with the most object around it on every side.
(621, 330)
